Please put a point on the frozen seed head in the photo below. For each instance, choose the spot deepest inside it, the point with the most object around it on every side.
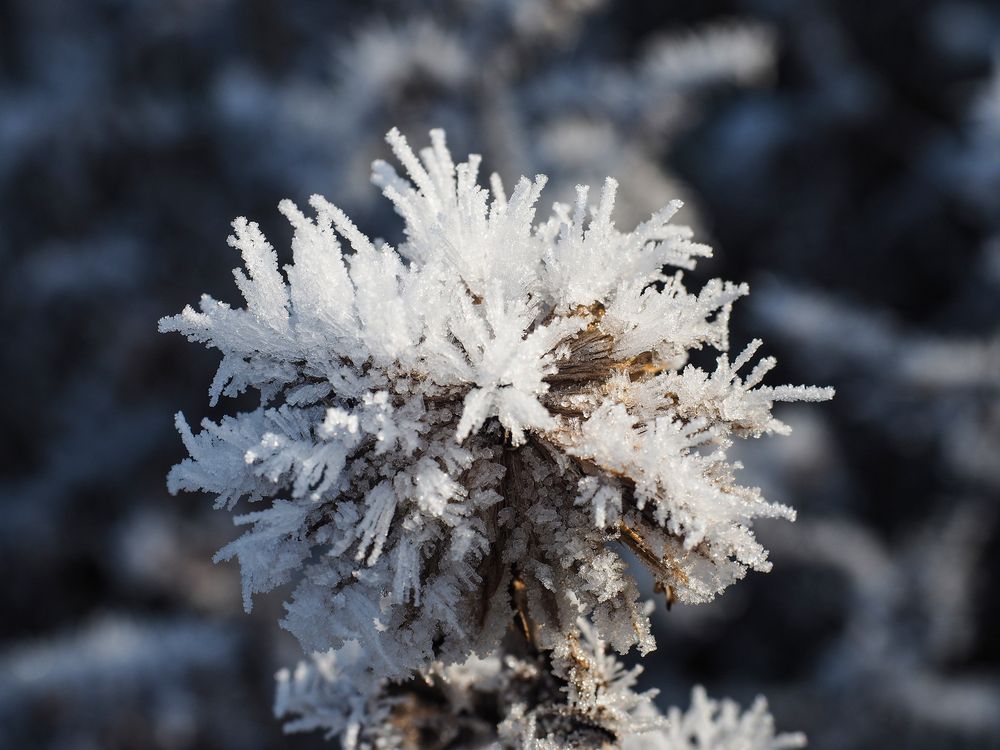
(464, 434)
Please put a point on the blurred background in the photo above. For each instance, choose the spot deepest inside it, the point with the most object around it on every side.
(843, 157)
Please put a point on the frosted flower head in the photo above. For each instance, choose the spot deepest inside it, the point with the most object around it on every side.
(467, 431)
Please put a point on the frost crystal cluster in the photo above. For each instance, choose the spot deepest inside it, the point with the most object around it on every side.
(516, 702)
(459, 438)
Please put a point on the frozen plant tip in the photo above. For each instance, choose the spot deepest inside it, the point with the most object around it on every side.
(459, 437)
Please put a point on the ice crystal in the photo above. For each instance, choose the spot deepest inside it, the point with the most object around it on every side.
(473, 426)
(719, 725)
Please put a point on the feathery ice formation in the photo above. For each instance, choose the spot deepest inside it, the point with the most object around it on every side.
(516, 702)
(468, 430)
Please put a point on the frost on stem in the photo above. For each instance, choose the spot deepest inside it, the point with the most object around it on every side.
(518, 702)
(476, 424)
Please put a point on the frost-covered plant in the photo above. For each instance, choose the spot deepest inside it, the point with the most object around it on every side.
(513, 701)
(467, 431)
